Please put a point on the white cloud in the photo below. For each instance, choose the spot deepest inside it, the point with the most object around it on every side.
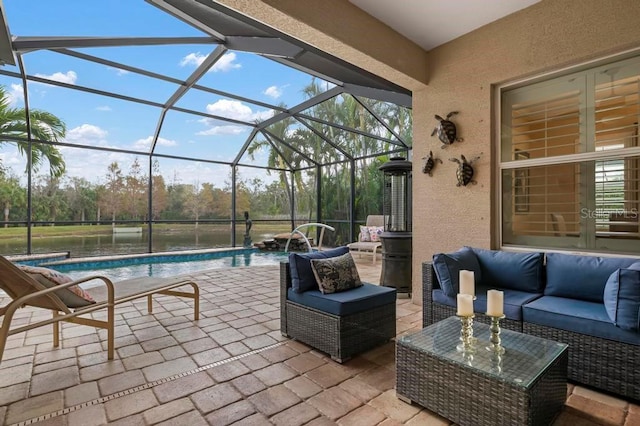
(230, 109)
(70, 77)
(221, 130)
(93, 164)
(87, 134)
(237, 110)
(12, 159)
(15, 95)
(104, 108)
(119, 71)
(226, 63)
(146, 143)
(273, 91)
(193, 59)
(194, 172)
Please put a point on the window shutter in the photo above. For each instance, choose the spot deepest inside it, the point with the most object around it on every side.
(545, 201)
(548, 127)
(616, 192)
(617, 109)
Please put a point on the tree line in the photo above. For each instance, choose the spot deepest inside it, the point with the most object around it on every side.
(124, 196)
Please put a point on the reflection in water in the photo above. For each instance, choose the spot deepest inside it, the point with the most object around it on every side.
(241, 260)
(127, 237)
(101, 245)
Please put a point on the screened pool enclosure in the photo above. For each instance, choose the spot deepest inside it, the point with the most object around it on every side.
(172, 119)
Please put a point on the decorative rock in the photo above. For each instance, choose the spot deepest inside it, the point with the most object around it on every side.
(279, 242)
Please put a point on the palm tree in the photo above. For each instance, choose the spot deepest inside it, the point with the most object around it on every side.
(280, 129)
(44, 127)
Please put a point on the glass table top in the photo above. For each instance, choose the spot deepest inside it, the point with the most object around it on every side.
(525, 357)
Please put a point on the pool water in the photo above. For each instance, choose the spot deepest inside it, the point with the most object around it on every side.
(166, 265)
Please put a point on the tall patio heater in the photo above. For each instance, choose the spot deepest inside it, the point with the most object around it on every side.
(396, 238)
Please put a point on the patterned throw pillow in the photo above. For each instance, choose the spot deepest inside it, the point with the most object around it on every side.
(375, 232)
(336, 273)
(73, 296)
(365, 236)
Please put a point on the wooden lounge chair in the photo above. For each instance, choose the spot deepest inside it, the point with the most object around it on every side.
(24, 290)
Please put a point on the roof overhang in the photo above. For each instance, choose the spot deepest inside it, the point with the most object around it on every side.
(6, 51)
(241, 32)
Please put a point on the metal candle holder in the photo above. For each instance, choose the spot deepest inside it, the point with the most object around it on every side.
(466, 334)
(494, 340)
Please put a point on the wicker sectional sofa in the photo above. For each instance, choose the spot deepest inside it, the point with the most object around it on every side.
(591, 303)
(342, 324)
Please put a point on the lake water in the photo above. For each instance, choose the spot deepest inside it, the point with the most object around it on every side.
(103, 245)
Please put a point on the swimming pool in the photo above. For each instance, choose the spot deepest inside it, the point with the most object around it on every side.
(163, 265)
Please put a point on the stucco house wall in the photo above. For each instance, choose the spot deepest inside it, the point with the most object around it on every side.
(460, 75)
(546, 37)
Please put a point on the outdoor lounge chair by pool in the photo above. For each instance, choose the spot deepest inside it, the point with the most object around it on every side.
(370, 244)
(25, 290)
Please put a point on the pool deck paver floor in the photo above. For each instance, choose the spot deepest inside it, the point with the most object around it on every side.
(230, 367)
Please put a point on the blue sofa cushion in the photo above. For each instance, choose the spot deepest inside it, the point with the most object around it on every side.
(359, 299)
(513, 301)
(302, 278)
(622, 297)
(448, 266)
(336, 273)
(580, 277)
(516, 271)
(579, 316)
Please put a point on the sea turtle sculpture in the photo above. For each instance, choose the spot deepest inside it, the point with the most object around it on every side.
(464, 173)
(446, 130)
(430, 163)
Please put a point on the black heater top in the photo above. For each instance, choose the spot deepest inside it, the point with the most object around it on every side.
(396, 165)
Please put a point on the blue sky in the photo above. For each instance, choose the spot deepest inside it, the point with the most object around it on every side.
(101, 121)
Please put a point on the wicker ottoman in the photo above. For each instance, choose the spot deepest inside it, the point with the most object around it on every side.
(527, 385)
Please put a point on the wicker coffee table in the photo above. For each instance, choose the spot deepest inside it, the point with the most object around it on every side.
(527, 385)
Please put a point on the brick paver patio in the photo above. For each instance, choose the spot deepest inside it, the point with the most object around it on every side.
(230, 367)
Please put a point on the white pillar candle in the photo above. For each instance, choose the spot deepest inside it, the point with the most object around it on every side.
(465, 305)
(495, 303)
(467, 285)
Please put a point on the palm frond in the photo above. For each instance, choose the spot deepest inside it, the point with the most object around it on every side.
(43, 126)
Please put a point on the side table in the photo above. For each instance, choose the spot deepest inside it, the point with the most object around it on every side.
(527, 385)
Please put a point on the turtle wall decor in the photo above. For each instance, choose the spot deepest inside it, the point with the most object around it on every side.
(430, 163)
(446, 130)
(464, 173)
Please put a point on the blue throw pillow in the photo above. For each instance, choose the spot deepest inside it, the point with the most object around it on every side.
(622, 297)
(581, 277)
(448, 266)
(302, 277)
(516, 271)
